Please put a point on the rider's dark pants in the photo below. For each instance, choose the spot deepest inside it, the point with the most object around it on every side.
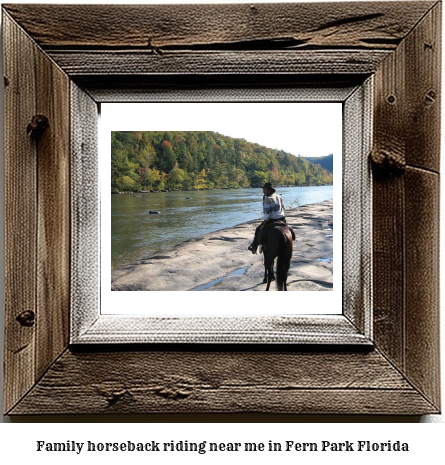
(269, 224)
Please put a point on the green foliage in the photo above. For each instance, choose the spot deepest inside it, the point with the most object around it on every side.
(125, 183)
(326, 162)
(175, 179)
(187, 160)
(258, 178)
(200, 182)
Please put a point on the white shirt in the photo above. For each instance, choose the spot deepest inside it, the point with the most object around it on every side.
(273, 207)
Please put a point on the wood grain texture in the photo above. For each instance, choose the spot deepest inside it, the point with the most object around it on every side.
(407, 114)
(421, 212)
(388, 268)
(37, 218)
(357, 208)
(216, 87)
(388, 219)
(222, 382)
(85, 212)
(423, 92)
(422, 281)
(389, 142)
(230, 39)
(109, 329)
(406, 209)
(53, 199)
(78, 63)
(20, 213)
(335, 25)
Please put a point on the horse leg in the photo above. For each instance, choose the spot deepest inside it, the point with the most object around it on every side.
(284, 283)
(266, 275)
(268, 280)
(265, 269)
(265, 264)
(284, 258)
(269, 275)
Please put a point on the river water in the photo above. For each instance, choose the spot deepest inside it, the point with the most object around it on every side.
(137, 234)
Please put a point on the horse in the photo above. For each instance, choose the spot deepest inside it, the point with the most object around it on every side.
(278, 245)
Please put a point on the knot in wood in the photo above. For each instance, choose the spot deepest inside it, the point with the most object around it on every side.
(173, 393)
(385, 162)
(37, 126)
(112, 394)
(430, 97)
(155, 50)
(26, 318)
(114, 397)
(391, 99)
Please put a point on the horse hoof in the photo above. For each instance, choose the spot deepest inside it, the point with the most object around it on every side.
(265, 280)
(252, 248)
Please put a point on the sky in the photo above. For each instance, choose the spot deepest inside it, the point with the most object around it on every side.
(306, 129)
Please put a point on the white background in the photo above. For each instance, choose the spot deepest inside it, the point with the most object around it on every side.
(302, 120)
(17, 441)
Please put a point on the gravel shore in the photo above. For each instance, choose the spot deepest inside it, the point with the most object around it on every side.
(220, 261)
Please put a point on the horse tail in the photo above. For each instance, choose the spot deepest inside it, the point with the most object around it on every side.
(284, 257)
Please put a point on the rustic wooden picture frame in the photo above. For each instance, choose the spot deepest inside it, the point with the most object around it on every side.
(83, 55)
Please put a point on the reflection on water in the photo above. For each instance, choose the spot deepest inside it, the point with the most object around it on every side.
(137, 234)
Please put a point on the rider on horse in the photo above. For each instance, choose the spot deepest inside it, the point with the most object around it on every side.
(273, 213)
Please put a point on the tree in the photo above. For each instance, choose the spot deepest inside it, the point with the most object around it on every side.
(188, 181)
(258, 179)
(239, 177)
(168, 157)
(310, 179)
(125, 183)
(300, 178)
(223, 181)
(168, 137)
(146, 156)
(175, 179)
(273, 176)
(291, 180)
(153, 177)
(200, 182)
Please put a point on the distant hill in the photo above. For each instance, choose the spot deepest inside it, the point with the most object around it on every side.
(184, 160)
(325, 162)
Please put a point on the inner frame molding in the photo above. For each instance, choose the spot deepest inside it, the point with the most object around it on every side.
(77, 56)
(354, 326)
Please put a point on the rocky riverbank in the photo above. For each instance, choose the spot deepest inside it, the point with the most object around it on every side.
(220, 261)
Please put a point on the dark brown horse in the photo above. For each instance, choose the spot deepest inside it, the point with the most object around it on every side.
(278, 245)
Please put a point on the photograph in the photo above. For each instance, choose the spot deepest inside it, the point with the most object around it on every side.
(214, 210)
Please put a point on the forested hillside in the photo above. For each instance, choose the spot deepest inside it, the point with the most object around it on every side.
(326, 162)
(176, 160)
